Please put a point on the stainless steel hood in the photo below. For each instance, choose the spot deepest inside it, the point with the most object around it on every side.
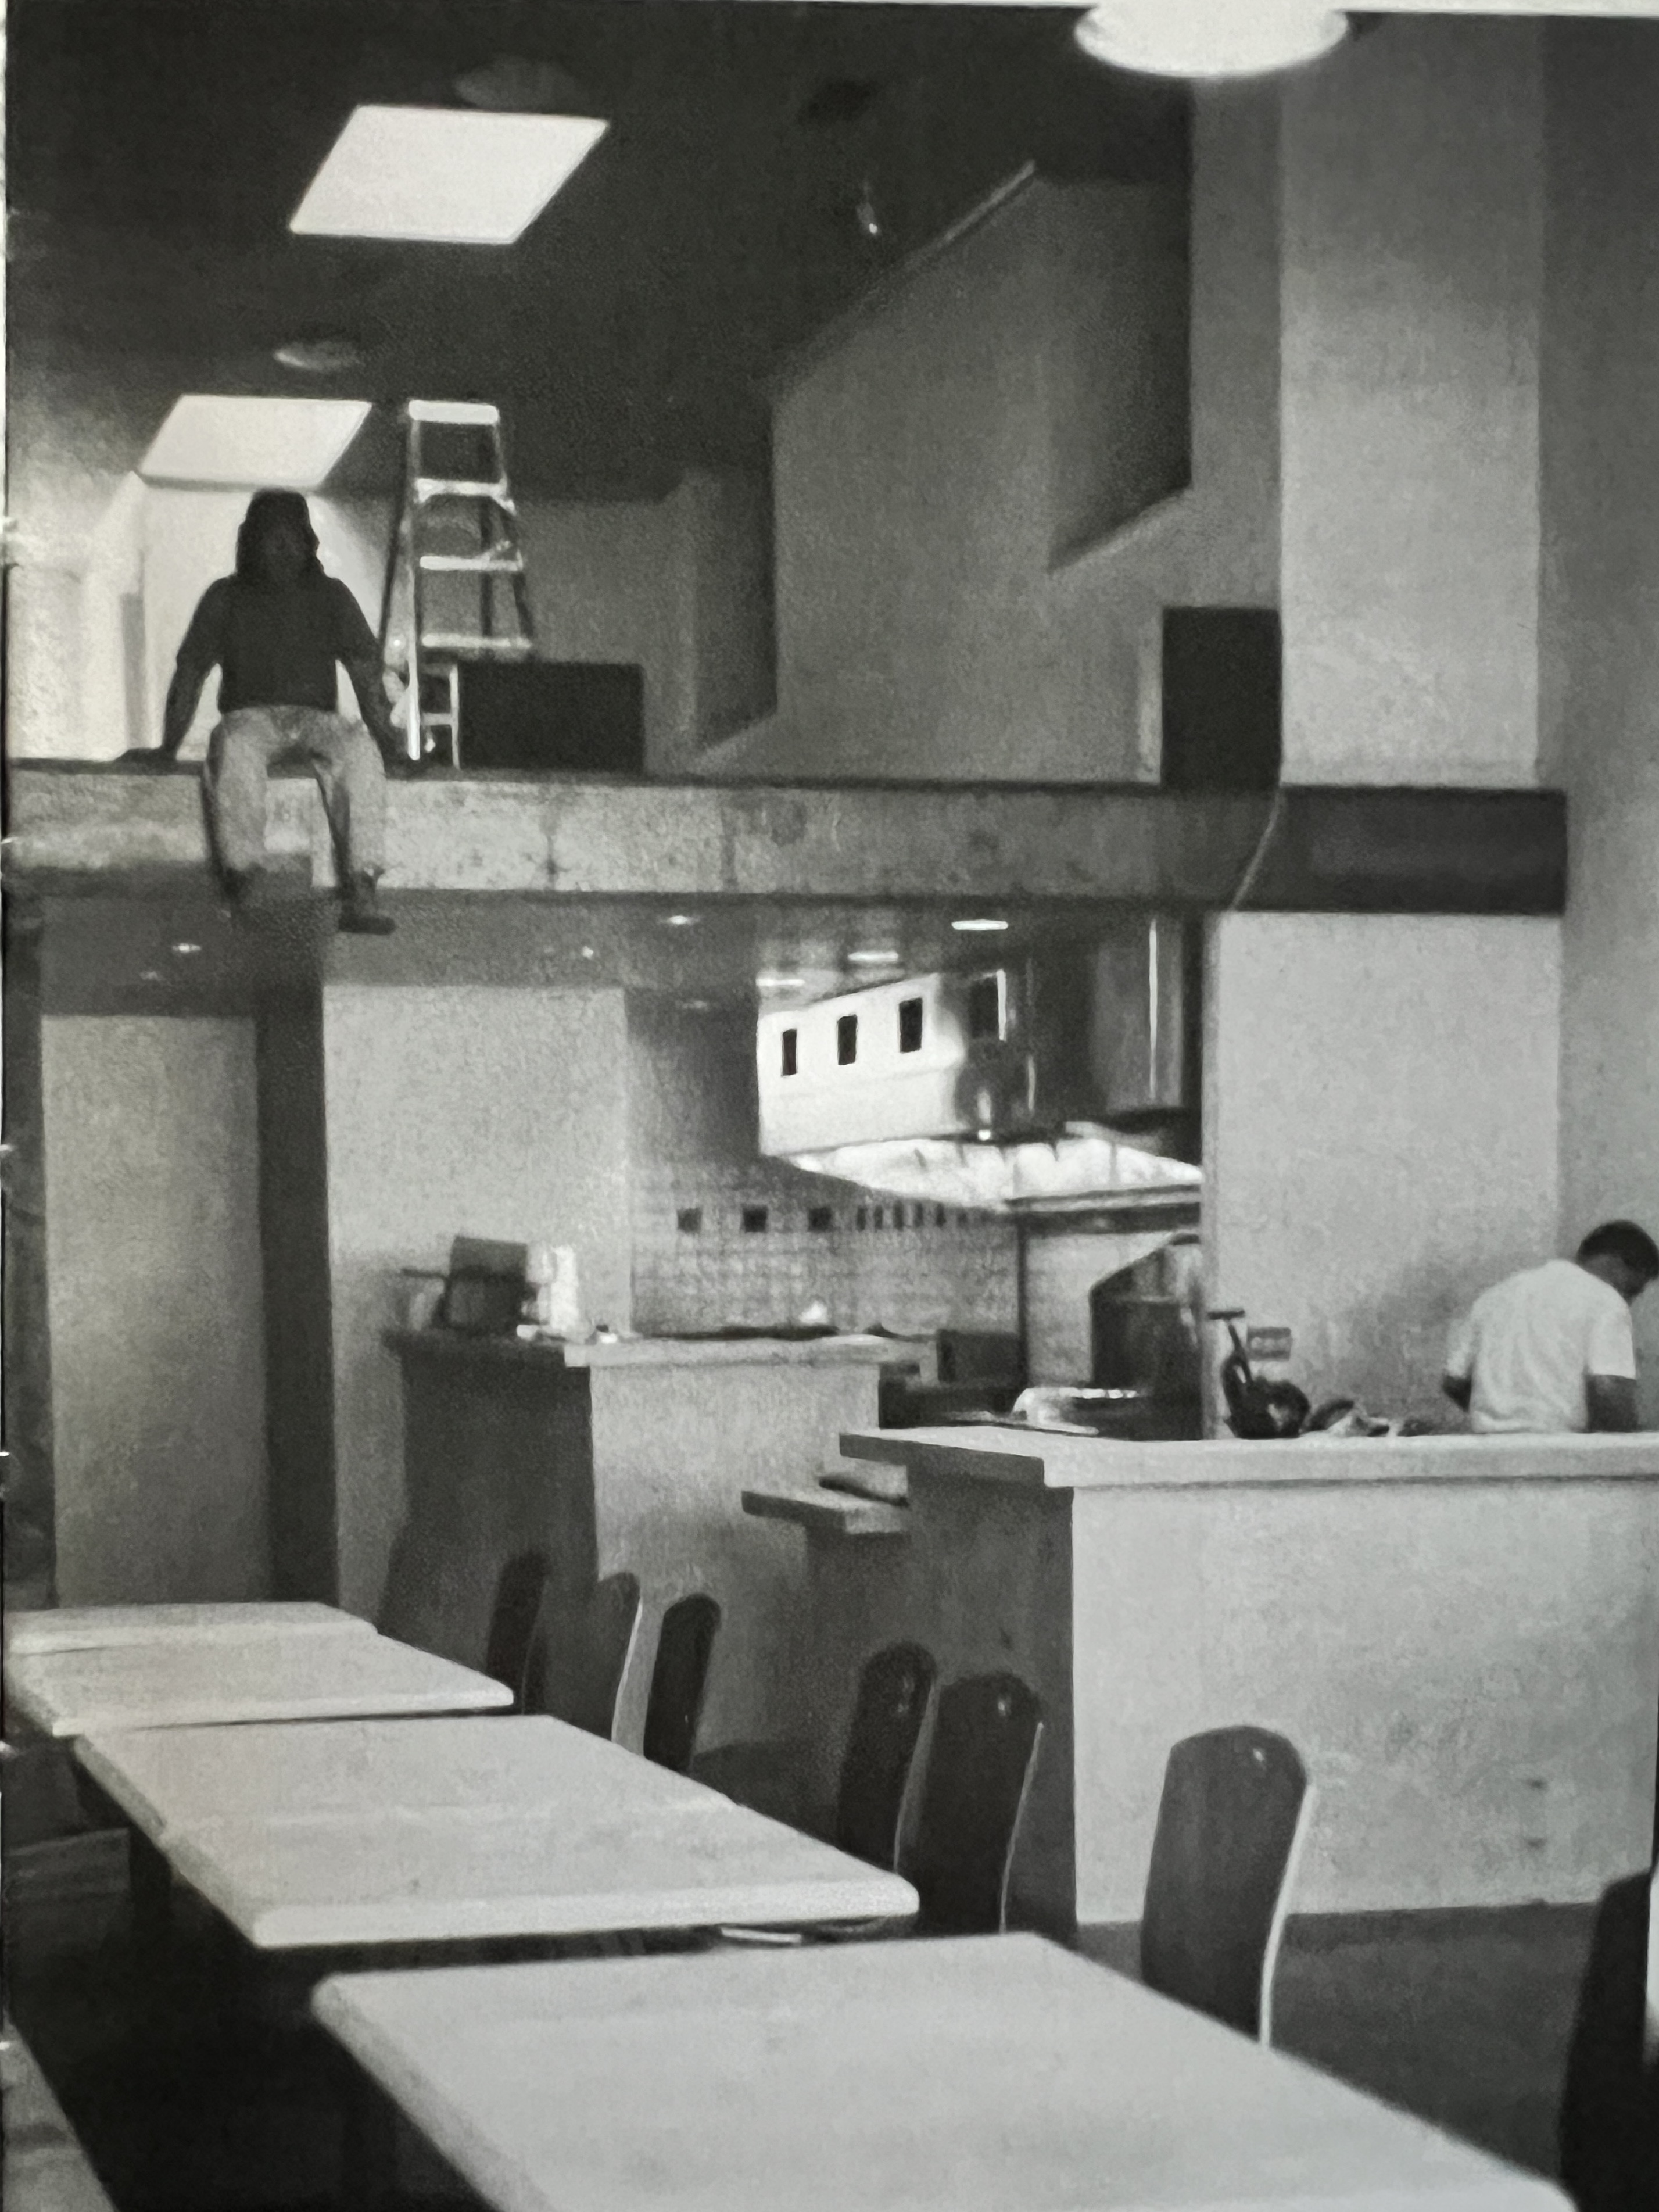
(1063, 1076)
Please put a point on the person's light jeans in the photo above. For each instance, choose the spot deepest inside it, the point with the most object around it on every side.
(250, 741)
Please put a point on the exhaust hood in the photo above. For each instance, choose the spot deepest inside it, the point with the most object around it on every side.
(1027, 1084)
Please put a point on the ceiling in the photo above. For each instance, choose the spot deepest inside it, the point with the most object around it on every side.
(157, 148)
(130, 953)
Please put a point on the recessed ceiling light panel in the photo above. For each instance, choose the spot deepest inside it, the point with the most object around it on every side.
(284, 445)
(326, 355)
(974, 925)
(453, 176)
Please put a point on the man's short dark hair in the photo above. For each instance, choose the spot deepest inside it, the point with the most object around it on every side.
(1624, 1242)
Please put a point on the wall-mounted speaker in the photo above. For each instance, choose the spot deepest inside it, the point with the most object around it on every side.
(1223, 684)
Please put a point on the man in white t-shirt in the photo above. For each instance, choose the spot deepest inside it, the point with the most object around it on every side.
(1551, 1349)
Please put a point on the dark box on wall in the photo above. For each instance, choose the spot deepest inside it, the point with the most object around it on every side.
(553, 717)
(1222, 684)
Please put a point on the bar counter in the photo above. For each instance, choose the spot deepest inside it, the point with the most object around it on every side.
(1460, 1633)
(632, 1455)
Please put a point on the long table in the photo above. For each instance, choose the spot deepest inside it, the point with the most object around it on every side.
(172, 1780)
(386, 1832)
(92, 1627)
(195, 1683)
(986, 2074)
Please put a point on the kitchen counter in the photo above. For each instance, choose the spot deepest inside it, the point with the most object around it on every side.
(634, 1455)
(1038, 1459)
(1460, 1634)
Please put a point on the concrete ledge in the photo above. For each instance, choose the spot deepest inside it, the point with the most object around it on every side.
(1317, 850)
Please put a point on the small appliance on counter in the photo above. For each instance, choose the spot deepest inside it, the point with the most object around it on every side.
(484, 1289)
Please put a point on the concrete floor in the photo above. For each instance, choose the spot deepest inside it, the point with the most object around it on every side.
(1462, 2018)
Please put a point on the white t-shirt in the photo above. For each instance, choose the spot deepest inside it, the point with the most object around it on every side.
(1528, 1342)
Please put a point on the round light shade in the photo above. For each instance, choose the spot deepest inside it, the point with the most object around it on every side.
(1209, 37)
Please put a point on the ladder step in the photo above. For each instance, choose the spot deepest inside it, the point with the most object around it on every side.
(494, 563)
(479, 648)
(493, 489)
(466, 413)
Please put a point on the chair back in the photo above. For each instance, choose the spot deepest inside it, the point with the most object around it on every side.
(579, 1678)
(1609, 2118)
(680, 1678)
(1229, 1827)
(985, 1738)
(895, 1690)
(519, 1591)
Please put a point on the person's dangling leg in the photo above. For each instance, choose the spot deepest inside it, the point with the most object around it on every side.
(233, 775)
(352, 778)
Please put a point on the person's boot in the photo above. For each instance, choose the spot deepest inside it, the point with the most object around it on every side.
(359, 909)
(242, 887)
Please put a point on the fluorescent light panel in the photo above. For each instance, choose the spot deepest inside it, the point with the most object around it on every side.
(284, 445)
(455, 176)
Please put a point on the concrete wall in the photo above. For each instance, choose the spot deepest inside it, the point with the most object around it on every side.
(483, 1112)
(1380, 1132)
(1413, 223)
(954, 597)
(1600, 637)
(154, 1260)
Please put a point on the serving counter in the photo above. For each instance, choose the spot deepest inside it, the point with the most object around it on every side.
(1460, 1633)
(633, 1454)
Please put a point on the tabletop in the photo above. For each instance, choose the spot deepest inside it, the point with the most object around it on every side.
(600, 1843)
(992, 2074)
(186, 1684)
(167, 1779)
(88, 1627)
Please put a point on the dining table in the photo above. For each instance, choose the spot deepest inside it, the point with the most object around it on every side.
(94, 1627)
(193, 1682)
(985, 2074)
(386, 1832)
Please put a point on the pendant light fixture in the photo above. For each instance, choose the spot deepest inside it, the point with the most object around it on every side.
(1209, 37)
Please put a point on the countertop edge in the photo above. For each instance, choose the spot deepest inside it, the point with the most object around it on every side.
(1052, 1461)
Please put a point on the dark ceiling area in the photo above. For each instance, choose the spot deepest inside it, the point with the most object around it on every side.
(117, 951)
(767, 164)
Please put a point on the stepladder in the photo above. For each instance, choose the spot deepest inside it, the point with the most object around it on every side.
(455, 590)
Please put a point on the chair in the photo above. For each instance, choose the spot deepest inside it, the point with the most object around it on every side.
(518, 1595)
(678, 1679)
(1230, 1824)
(895, 1692)
(986, 1739)
(1609, 2139)
(579, 1678)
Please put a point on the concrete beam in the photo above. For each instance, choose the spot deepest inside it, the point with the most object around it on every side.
(1341, 849)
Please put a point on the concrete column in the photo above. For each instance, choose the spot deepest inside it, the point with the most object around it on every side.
(1412, 229)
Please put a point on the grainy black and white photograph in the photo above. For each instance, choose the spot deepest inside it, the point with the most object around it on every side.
(831, 1106)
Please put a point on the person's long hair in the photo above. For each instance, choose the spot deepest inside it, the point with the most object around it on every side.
(265, 510)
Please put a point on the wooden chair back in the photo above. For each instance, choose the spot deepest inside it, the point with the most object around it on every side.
(895, 1692)
(987, 1734)
(1230, 1824)
(679, 1679)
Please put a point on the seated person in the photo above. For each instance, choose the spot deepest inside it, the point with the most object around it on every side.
(275, 630)
(1551, 1351)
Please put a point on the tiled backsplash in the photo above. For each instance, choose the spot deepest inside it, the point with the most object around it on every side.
(725, 1245)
